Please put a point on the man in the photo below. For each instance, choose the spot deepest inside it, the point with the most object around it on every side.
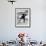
(23, 17)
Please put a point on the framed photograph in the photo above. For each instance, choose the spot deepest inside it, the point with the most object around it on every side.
(22, 17)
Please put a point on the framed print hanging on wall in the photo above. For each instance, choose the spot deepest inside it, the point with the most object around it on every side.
(22, 17)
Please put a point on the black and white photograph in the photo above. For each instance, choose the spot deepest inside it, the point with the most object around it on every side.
(22, 17)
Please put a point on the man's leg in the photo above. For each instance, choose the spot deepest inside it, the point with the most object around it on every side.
(24, 19)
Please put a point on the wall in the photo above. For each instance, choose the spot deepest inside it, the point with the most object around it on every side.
(8, 30)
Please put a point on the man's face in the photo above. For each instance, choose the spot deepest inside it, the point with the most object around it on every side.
(21, 35)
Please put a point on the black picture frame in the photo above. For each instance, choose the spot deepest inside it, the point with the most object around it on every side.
(29, 22)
